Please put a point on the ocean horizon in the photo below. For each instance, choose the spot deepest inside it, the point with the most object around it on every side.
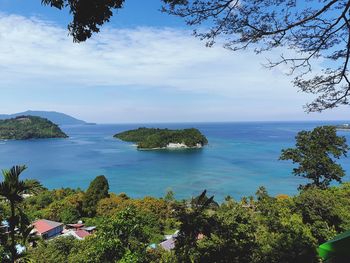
(240, 157)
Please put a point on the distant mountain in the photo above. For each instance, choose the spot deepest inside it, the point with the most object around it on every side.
(55, 117)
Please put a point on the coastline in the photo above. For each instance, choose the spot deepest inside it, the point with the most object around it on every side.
(222, 168)
(173, 146)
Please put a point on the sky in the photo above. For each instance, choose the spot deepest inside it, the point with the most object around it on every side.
(144, 66)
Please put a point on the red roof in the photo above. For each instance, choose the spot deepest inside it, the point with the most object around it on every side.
(42, 226)
(81, 233)
(75, 225)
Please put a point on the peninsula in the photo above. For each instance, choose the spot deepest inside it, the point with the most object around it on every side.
(29, 127)
(152, 138)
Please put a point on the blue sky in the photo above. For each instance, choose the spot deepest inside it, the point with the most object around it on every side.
(143, 67)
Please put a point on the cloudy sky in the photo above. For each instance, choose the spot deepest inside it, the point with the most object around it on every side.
(143, 67)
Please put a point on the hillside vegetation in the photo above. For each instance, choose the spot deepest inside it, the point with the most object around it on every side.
(29, 127)
(149, 138)
(255, 229)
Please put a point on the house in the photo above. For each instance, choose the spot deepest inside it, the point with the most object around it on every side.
(81, 226)
(78, 230)
(78, 234)
(169, 242)
(47, 228)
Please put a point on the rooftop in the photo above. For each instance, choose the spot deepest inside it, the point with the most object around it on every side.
(79, 234)
(42, 226)
(168, 244)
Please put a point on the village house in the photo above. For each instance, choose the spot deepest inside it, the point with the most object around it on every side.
(169, 242)
(78, 234)
(47, 228)
(79, 231)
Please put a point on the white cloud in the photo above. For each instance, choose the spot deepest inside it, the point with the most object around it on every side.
(36, 54)
(37, 50)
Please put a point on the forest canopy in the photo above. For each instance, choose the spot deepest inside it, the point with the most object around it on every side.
(29, 127)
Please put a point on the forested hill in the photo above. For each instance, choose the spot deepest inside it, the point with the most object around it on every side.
(29, 127)
(151, 138)
(56, 117)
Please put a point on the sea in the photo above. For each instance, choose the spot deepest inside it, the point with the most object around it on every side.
(240, 157)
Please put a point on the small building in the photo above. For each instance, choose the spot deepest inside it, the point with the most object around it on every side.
(170, 240)
(168, 244)
(90, 229)
(78, 234)
(78, 230)
(47, 228)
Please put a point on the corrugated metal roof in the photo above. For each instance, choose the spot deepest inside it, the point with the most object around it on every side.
(168, 244)
(81, 233)
(42, 226)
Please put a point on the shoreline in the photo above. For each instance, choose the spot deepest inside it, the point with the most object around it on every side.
(174, 146)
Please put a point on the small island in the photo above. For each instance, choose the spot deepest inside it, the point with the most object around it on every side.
(152, 138)
(343, 127)
(29, 127)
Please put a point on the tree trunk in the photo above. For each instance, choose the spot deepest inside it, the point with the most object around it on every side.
(12, 233)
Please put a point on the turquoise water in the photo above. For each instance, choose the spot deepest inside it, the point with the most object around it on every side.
(240, 157)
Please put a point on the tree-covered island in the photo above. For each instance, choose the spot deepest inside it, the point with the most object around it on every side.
(343, 127)
(29, 127)
(153, 138)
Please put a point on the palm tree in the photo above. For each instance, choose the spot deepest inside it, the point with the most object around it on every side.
(194, 221)
(12, 190)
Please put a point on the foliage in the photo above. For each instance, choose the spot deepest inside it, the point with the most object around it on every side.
(325, 211)
(149, 138)
(12, 190)
(314, 151)
(169, 196)
(44, 203)
(121, 237)
(157, 210)
(261, 229)
(233, 238)
(282, 234)
(2, 253)
(193, 222)
(265, 229)
(29, 127)
(88, 15)
(55, 251)
(67, 210)
(97, 190)
(110, 205)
